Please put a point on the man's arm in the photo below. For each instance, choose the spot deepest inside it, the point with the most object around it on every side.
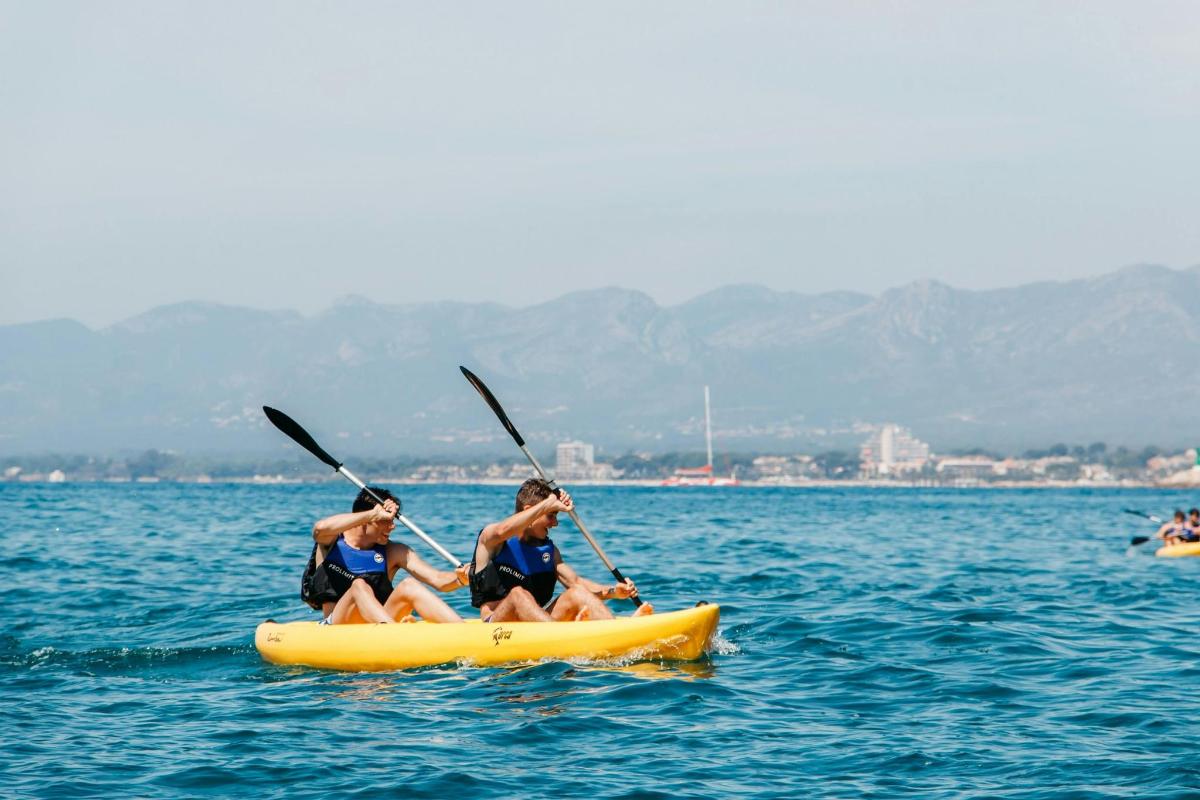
(497, 533)
(570, 577)
(326, 531)
(401, 556)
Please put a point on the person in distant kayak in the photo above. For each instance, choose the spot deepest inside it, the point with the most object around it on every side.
(1175, 531)
(349, 575)
(516, 565)
(1193, 526)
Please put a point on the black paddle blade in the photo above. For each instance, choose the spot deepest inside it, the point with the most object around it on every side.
(491, 400)
(1135, 541)
(1143, 514)
(298, 435)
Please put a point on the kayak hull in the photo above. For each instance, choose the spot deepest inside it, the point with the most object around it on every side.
(677, 635)
(1179, 550)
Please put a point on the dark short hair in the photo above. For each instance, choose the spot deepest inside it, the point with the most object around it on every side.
(364, 501)
(532, 492)
(1179, 513)
(1194, 511)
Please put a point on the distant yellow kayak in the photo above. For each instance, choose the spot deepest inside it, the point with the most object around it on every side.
(677, 635)
(1178, 550)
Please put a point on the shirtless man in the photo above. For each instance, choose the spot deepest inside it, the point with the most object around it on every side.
(349, 575)
(516, 565)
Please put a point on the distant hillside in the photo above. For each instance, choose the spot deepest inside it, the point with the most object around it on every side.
(1114, 358)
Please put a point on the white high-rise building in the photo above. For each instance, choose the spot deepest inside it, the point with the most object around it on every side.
(893, 450)
(574, 460)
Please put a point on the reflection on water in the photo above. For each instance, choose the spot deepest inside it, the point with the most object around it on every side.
(564, 686)
(557, 682)
(363, 688)
(652, 670)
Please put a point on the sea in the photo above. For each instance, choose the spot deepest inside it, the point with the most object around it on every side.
(873, 643)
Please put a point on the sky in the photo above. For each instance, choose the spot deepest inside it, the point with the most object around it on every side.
(283, 155)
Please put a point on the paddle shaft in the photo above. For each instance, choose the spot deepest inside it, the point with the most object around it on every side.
(578, 522)
(1150, 517)
(403, 520)
(297, 434)
(1140, 540)
(494, 404)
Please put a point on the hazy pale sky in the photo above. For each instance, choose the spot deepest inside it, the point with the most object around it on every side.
(281, 155)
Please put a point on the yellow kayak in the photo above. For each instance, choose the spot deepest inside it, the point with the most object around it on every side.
(681, 635)
(1178, 550)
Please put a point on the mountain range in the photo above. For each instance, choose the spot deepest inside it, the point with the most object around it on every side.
(1113, 358)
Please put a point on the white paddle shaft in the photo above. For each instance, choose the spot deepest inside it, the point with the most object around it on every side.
(574, 516)
(405, 521)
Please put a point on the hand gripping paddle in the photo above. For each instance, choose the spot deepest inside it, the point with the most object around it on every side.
(302, 437)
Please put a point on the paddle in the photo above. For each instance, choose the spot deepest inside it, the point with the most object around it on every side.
(301, 437)
(1136, 540)
(491, 400)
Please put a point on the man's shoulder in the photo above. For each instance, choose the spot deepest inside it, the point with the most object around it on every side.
(398, 550)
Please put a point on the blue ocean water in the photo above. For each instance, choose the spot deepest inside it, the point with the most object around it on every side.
(873, 643)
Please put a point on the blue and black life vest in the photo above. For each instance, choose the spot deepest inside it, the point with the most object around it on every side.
(329, 581)
(517, 563)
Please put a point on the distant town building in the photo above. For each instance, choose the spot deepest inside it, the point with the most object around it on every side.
(1163, 464)
(892, 450)
(969, 468)
(1053, 465)
(1095, 473)
(574, 459)
(577, 461)
(782, 469)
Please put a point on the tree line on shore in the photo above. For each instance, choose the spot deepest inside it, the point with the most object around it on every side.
(153, 464)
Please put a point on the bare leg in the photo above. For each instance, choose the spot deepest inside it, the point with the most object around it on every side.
(518, 606)
(579, 603)
(399, 604)
(412, 595)
(359, 604)
(345, 617)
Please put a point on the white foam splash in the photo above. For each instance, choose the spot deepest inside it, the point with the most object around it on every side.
(722, 646)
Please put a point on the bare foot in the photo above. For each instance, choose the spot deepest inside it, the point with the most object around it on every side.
(407, 618)
(643, 610)
(583, 615)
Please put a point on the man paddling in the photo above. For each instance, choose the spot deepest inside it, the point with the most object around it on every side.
(516, 566)
(349, 575)
(1176, 531)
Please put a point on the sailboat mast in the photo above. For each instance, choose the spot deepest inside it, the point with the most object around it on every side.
(708, 430)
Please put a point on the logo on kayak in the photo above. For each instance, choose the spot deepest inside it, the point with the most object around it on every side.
(545, 558)
(378, 558)
(274, 637)
(500, 633)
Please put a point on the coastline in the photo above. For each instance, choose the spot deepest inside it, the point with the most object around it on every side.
(277, 480)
